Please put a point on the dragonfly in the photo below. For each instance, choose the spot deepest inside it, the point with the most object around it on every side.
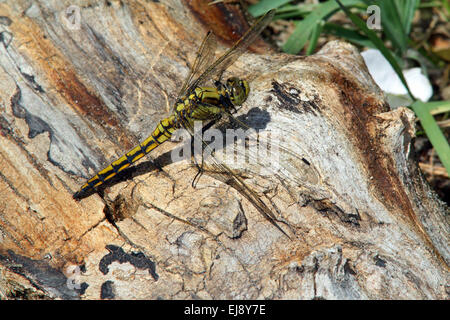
(199, 103)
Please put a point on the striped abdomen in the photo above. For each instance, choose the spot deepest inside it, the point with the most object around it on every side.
(204, 103)
(161, 134)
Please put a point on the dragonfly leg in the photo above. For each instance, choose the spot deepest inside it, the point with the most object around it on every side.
(199, 172)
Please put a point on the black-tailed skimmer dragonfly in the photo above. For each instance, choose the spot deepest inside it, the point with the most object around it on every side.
(198, 103)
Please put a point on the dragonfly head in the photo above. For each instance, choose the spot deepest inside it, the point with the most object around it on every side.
(237, 90)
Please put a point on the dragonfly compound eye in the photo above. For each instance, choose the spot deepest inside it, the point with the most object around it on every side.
(238, 90)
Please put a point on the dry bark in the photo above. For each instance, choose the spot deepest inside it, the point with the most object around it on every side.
(362, 222)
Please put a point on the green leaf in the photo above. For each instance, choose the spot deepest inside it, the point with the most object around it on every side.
(446, 6)
(314, 37)
(407, 11)
(348, 34)
(258, 9)
(392, 24)
(437, 107)
(303, 30)
(433, 132)
(396, 17)
(297, 11)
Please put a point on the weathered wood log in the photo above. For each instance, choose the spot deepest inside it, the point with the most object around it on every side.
(362, 222)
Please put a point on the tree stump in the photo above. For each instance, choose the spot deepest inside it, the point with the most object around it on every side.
(83, 84)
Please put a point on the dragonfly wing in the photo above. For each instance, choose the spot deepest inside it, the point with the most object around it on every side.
(271, 154)
(221, 169)
(205, 56)
(230, 56)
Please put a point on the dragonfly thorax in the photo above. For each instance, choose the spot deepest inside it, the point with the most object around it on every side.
(208, 103)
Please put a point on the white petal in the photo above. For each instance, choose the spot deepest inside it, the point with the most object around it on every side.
(386, 78)
(418, 83)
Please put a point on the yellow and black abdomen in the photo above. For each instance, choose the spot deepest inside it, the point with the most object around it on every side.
(162, 133)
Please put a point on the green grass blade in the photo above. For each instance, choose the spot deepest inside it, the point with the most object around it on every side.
(314, 37)
(446, 6)
(378, 44)
(396, 17)
(298, 11)
(258, 9)
(437, 107)
(392, 24)
(303, 30)
(433, 132)
(348, 34)
(407, 11)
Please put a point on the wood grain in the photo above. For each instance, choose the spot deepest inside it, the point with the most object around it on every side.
(363, 222)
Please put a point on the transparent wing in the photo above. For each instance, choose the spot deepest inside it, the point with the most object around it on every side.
(205, 56)
(230, 56)
(205, 71)
(275, 149)
(219, 168)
